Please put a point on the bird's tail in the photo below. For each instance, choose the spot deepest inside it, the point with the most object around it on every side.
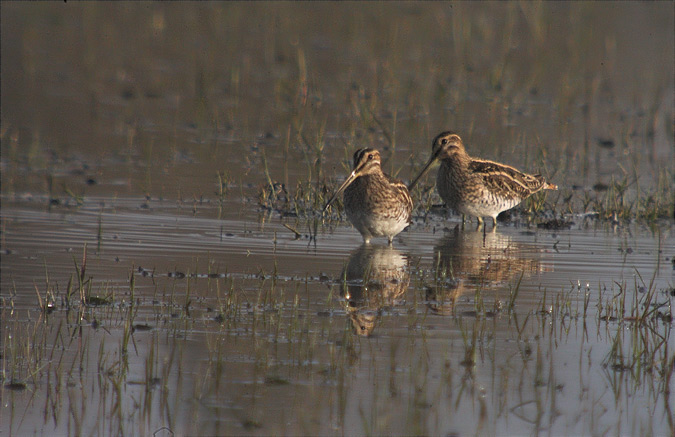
(548, 186)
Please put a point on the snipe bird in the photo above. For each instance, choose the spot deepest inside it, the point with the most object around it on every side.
(478, 187)
(376, 204)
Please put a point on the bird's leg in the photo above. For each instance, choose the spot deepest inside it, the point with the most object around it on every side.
(463, 217)
(479, 223)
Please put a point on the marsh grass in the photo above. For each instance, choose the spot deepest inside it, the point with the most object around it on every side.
(621, 201)
(290, 346)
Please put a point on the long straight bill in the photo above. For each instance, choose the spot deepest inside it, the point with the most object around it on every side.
(344, 185)
(424, 171)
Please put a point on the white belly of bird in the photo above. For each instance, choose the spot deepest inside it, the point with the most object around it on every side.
(488, 207)
(368, 224)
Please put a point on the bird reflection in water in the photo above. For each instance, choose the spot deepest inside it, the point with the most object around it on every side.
(375, 278)
(467, 261)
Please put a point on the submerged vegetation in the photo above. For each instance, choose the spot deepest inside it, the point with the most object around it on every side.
(127, 351)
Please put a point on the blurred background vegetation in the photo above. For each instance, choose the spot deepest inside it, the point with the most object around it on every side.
(159, 98)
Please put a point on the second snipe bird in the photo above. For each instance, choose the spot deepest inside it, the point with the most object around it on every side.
(376, 204)
(475, 186)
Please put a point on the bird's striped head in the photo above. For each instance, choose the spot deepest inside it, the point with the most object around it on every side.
(446, 145)
(366, 161)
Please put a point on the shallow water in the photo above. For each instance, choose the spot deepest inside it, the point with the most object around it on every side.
(204, 313)
(442, 344)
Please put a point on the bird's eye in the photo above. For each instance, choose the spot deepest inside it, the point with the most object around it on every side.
(370, 156)
(444, 141)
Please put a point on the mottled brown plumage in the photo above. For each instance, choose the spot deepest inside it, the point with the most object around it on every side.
(475, 186)
(376, 204)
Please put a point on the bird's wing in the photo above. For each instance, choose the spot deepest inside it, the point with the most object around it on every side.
(506, 181)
